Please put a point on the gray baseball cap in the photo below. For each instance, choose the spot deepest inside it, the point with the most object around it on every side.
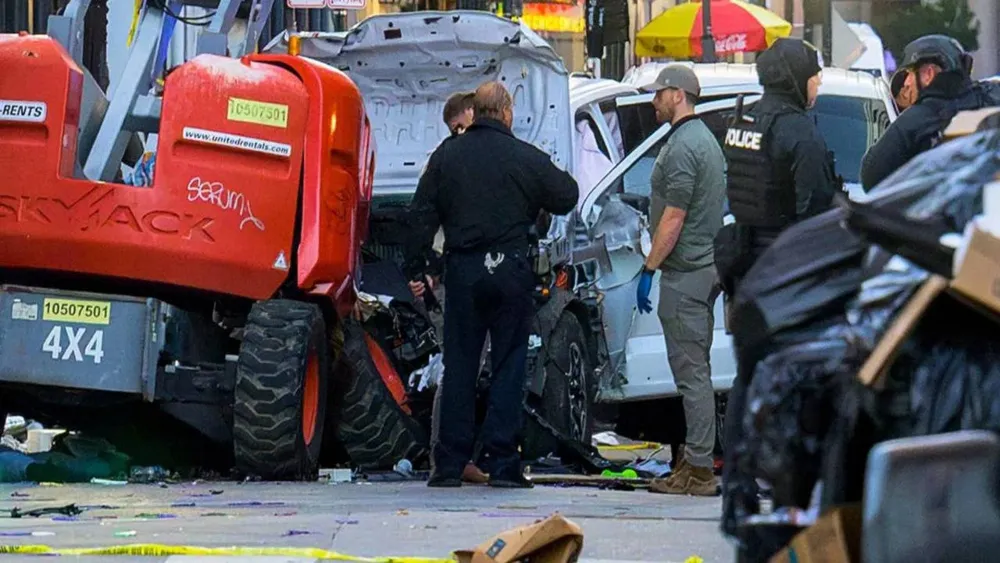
(676, 76)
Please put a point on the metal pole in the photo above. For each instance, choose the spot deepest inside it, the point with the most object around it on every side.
(828, 34)
(707, 40)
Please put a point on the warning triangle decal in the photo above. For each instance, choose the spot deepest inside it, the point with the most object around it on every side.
(280, 263)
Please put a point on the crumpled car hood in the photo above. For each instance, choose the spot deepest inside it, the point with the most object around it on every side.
(407, 64)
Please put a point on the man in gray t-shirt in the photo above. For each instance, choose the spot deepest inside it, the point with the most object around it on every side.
(686, 208)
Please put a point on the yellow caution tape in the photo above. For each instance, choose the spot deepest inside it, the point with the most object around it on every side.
(639, 446)
(157, 550)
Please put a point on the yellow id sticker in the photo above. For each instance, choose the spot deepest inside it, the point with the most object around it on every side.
(261, 113)
(74, 311)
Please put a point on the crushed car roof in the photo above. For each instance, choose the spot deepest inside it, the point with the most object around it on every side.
(407, 64)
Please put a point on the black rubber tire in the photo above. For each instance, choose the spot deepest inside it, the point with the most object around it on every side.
(268, 440)
(374, 430)
(566, 347)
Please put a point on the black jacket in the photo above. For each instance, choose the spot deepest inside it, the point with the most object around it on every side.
(799, 154)
(799, 158)
(918, 127)
(485, 188)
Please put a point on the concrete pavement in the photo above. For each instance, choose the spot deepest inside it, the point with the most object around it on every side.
(362, 520)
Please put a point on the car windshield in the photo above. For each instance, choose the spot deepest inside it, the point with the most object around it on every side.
(849, 125)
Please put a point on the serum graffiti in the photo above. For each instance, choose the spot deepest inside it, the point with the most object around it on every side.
(226, 200)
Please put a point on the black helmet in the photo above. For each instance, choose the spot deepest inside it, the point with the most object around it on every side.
(944, 51)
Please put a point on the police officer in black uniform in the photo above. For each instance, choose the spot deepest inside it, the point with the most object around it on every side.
(941, 71)
(486, 188)
(780, 170)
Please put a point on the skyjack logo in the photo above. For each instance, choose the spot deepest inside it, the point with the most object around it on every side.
(101, 208)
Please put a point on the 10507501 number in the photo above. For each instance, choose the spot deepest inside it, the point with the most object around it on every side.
(54, 344)
(70, 310)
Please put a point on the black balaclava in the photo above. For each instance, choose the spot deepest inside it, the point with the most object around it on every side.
(786, 67)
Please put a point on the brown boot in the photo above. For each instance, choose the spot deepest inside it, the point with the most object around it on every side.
(671, 481)
(472, 474)
(687, 480)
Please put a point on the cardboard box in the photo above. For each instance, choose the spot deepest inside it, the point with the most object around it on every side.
(967, 122)
(41, 440)
(834, 538)
(553, 540)
(978, 273)
(885, 352)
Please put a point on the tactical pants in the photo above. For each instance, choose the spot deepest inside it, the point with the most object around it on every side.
(686, 311)
(487, 293)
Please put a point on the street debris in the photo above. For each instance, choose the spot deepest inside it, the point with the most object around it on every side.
(32, 534)
(110, 482)
(553, 539)
(336, 476)
(157, 516)
(67, 510)
(153, 474)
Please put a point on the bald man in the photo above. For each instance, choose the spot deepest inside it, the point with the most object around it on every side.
(485, 188)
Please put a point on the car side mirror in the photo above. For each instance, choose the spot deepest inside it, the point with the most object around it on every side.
(638, 202)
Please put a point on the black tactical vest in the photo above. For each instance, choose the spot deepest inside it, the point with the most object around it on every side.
(756, 198)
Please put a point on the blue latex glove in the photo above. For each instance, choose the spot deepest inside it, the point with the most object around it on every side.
(642, 293)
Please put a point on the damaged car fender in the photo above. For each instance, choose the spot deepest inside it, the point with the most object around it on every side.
(543, 325)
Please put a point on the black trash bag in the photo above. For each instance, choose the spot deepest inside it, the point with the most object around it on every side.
(815, 266)
(791, 396)
(810, 271)
(952, 365)
(789, 409)
(792, 403)
(941, 191)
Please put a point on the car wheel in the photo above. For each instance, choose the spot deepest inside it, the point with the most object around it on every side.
(568, 396)
(281, 391)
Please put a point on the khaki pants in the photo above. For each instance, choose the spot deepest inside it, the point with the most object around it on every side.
(686, 313)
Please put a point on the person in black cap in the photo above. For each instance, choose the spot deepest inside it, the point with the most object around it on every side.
(940, 71)
(688, 189)
(780, 171)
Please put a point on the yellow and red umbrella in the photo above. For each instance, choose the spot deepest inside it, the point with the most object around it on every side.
(737, 27)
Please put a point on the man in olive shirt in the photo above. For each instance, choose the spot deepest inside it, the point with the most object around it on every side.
(688, 193)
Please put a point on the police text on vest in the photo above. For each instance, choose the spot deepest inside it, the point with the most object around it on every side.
(15, 110)
(743, 139)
